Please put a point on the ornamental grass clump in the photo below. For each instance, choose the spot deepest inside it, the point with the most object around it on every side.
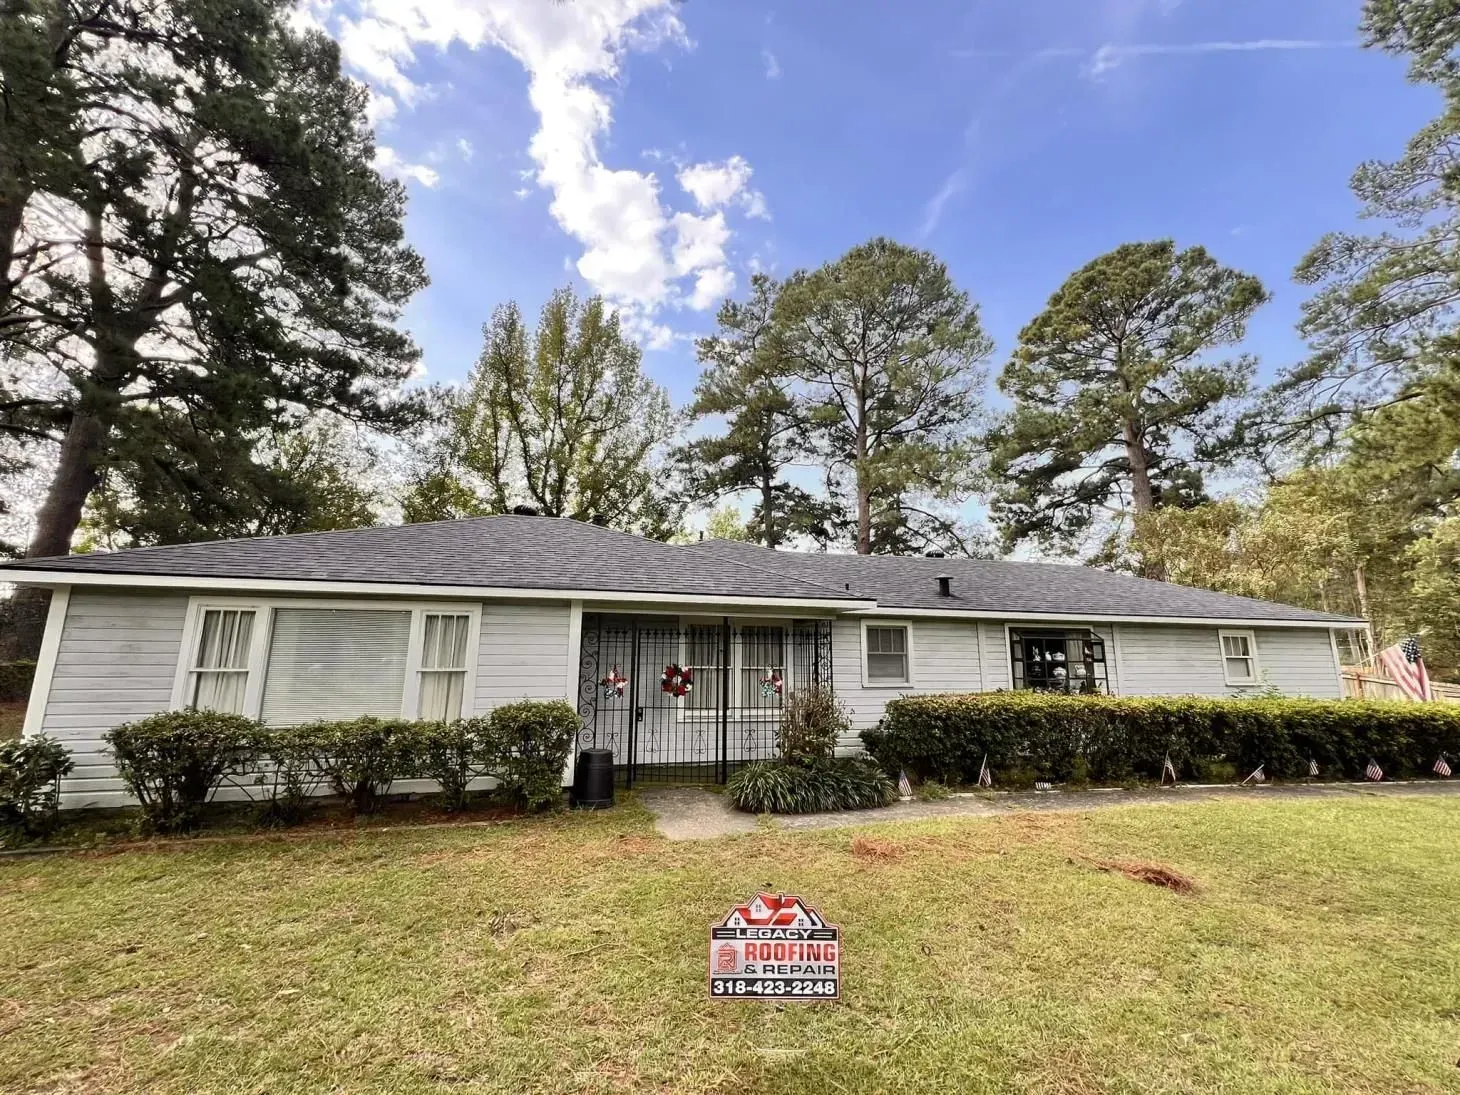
(808, 777)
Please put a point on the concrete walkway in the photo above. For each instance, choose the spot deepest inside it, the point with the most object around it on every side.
(692, 813)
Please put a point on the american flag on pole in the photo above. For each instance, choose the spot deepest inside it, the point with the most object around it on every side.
(1258, 776)
(1442, 767)
(1407, 669)
(984, 779)
(1312, 767)
(1168, 769)
(904, 788)
(1373, 771)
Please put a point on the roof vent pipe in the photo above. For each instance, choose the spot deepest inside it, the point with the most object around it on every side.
(945, 585)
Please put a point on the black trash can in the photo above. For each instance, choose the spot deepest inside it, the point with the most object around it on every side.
(593, 780)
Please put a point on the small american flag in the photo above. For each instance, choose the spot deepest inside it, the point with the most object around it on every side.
(1373, 771)
(1040, 785)
(984, 779)
(1312, 767)
(904, 788)
(1168, 769)
(1407, 669)
(1258, 776)
(1442, 767)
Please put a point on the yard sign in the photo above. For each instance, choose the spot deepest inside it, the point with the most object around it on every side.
(775, 947)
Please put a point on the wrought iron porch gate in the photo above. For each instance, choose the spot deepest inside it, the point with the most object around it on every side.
(689, 702)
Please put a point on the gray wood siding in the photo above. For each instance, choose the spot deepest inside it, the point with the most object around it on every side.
(116, 663)
(1187, 661)
(523, 654)
(945, 659)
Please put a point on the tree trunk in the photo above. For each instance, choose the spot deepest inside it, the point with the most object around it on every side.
(864, 489)
(1143, 497)
(768, 511)
(77, 474)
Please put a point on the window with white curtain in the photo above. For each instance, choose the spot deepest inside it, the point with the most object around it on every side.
(219, 674)
(335, 663)
(445, 638)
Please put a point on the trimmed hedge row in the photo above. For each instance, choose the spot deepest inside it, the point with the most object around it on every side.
(1114, 738)
(174, 763)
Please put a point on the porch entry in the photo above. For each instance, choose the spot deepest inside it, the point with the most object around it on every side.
(688, 701)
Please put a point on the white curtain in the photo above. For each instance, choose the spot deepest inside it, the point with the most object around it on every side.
(443, 666)
(220, 673)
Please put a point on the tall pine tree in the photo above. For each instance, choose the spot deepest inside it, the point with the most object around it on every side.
(1118, 403)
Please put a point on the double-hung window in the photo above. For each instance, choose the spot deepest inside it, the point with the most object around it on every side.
(218, 677)
(1239, 657)
(886, 654)
(704, 656)
(443, 665)
(762, 651)
(291, 662)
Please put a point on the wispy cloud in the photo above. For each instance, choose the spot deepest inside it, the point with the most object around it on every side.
(771, 63)
(1111, 55)
(933, 210)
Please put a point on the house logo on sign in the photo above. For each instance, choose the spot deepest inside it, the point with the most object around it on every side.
(775, 946)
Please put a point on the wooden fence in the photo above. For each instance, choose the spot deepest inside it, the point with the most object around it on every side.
(1363, 684)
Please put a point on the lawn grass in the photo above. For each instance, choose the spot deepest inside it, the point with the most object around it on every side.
(1320, 952)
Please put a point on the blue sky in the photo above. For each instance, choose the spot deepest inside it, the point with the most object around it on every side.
(659, 152)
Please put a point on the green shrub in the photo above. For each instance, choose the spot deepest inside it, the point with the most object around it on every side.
(289, 769)
(30, 783)
(782, 787)
(525, 746)
(174, 762)
(812, 721)
(453, 754)
(359, 758)
(1109, 739)
(15, 680)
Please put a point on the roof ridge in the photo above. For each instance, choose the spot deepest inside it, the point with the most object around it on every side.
(776, 573)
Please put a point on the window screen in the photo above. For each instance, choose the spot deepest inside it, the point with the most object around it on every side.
(443, 665)
(220, 667)
(330, 663)
(887, 654)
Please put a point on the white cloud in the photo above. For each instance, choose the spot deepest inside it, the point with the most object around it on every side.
(464, 147)
(933, 210)
(379, 109)
(635, 250)
(711, 287)
(1111, 56)
(389, 162)
(522, 193)
(718, 185)
(772, 65)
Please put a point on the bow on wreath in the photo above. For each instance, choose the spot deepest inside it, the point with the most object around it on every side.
(677, 680)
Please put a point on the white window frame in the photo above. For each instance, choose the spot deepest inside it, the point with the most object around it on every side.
(1251, 637)
(686, 713)
(258, 660)
(880, 623)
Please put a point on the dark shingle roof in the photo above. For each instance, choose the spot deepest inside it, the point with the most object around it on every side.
(1009, 588)
(550, 553)
(519, 552)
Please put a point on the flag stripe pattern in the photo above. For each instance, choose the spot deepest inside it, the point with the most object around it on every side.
(1168, 769)
(904, 788)
(1373, 771)
(1407, 669)
(1442, 767)
(1312, 767)
(984, 778)
(1258, 776)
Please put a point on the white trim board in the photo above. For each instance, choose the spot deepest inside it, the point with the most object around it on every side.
(45, 666)
(1090, 618)
(912, 671)
(247, 586)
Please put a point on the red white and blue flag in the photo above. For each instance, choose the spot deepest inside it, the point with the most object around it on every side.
(1406, 668)
(984, 778)
(1442, 767)
(904, 788)
(1373, 771)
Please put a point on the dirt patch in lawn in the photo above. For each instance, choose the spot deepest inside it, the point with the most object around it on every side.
(876, 851)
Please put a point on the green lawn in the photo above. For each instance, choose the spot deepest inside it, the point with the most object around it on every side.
(1320, 952)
